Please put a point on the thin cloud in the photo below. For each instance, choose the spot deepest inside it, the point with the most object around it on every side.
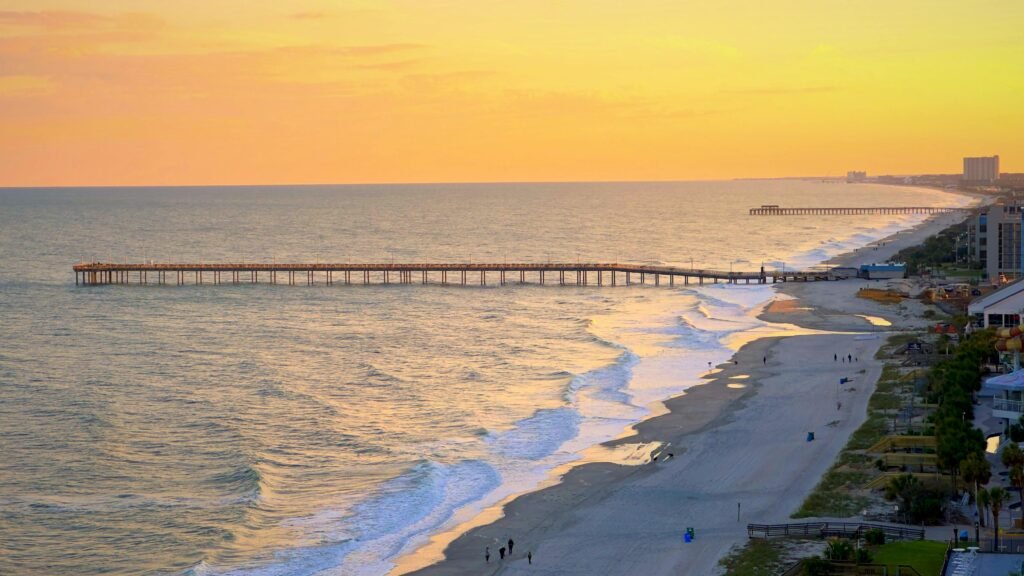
(52, 19)
(25, 85)
(454, 79)
(396, 65)
(373, 50)
(65, 20)
(358, 51)
(781, 91)
(308, 15)
(81, 65)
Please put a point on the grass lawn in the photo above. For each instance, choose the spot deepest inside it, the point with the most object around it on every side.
(924, 555)
(960, 272)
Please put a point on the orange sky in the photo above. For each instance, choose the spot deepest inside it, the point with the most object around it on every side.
(126, 92)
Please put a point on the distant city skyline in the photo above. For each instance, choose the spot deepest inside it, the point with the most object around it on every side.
(114, 92)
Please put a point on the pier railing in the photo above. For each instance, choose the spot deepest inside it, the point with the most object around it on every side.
(579, 273)
(775, 210)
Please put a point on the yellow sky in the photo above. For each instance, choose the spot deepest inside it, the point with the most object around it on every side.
(110, 92)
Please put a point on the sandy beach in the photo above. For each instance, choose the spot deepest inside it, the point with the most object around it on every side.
(739, 445)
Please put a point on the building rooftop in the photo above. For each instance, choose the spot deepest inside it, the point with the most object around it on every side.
(983, 564)
(993, 298)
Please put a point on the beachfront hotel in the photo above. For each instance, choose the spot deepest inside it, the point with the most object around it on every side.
(981, 170)
(994, 234)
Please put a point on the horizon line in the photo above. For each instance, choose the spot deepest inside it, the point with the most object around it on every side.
(440, 183)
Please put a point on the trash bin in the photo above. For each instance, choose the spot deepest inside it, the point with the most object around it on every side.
(687, 538)
(810, 436)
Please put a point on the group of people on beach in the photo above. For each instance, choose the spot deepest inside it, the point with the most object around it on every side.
(848, 358)
(502, 553)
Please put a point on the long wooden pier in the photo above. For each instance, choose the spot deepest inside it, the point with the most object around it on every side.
(775, 210)
(579, 274)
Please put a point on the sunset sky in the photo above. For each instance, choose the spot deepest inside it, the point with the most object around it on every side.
(141, 92)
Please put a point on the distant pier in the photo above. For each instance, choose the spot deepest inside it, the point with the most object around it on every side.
(462, 274)
(776, 210)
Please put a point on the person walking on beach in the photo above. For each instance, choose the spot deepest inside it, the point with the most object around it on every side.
(835, 357)
(510, 545)
(487, 554)
(849, 358)
(764, 360)
(501, 553)
(529, 557)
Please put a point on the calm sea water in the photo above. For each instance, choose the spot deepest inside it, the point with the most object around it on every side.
(327, 430)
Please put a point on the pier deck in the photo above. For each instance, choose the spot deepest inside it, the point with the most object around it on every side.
(775, 210)
(580, 274)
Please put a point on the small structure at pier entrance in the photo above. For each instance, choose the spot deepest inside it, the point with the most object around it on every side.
(579, 274)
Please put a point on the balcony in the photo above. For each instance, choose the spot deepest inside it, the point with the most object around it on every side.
(1006, 408)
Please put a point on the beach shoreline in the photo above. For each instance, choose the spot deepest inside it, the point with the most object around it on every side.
(581, 521)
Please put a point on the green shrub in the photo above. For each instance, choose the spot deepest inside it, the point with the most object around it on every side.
(1017, 431)
(816, 566)
(875, 537)
(863, 556)
(839, 550)
(927, 509)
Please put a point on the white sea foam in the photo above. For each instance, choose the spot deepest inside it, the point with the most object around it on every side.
(402, 512)
(667, 341)
(537, 436)
(691, 325)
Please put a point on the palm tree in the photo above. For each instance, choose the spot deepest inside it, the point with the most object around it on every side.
(975, 469)
(1017, 480)
(905, 487)
(997, 497)
(983, 503)
(1012, 455)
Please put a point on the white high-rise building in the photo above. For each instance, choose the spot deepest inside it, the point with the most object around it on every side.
(984, 169)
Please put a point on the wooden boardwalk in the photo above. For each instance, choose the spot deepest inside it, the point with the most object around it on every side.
(834, 529)
(579, 274)
(775, 210)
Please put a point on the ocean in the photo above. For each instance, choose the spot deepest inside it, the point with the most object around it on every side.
(297, 430)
